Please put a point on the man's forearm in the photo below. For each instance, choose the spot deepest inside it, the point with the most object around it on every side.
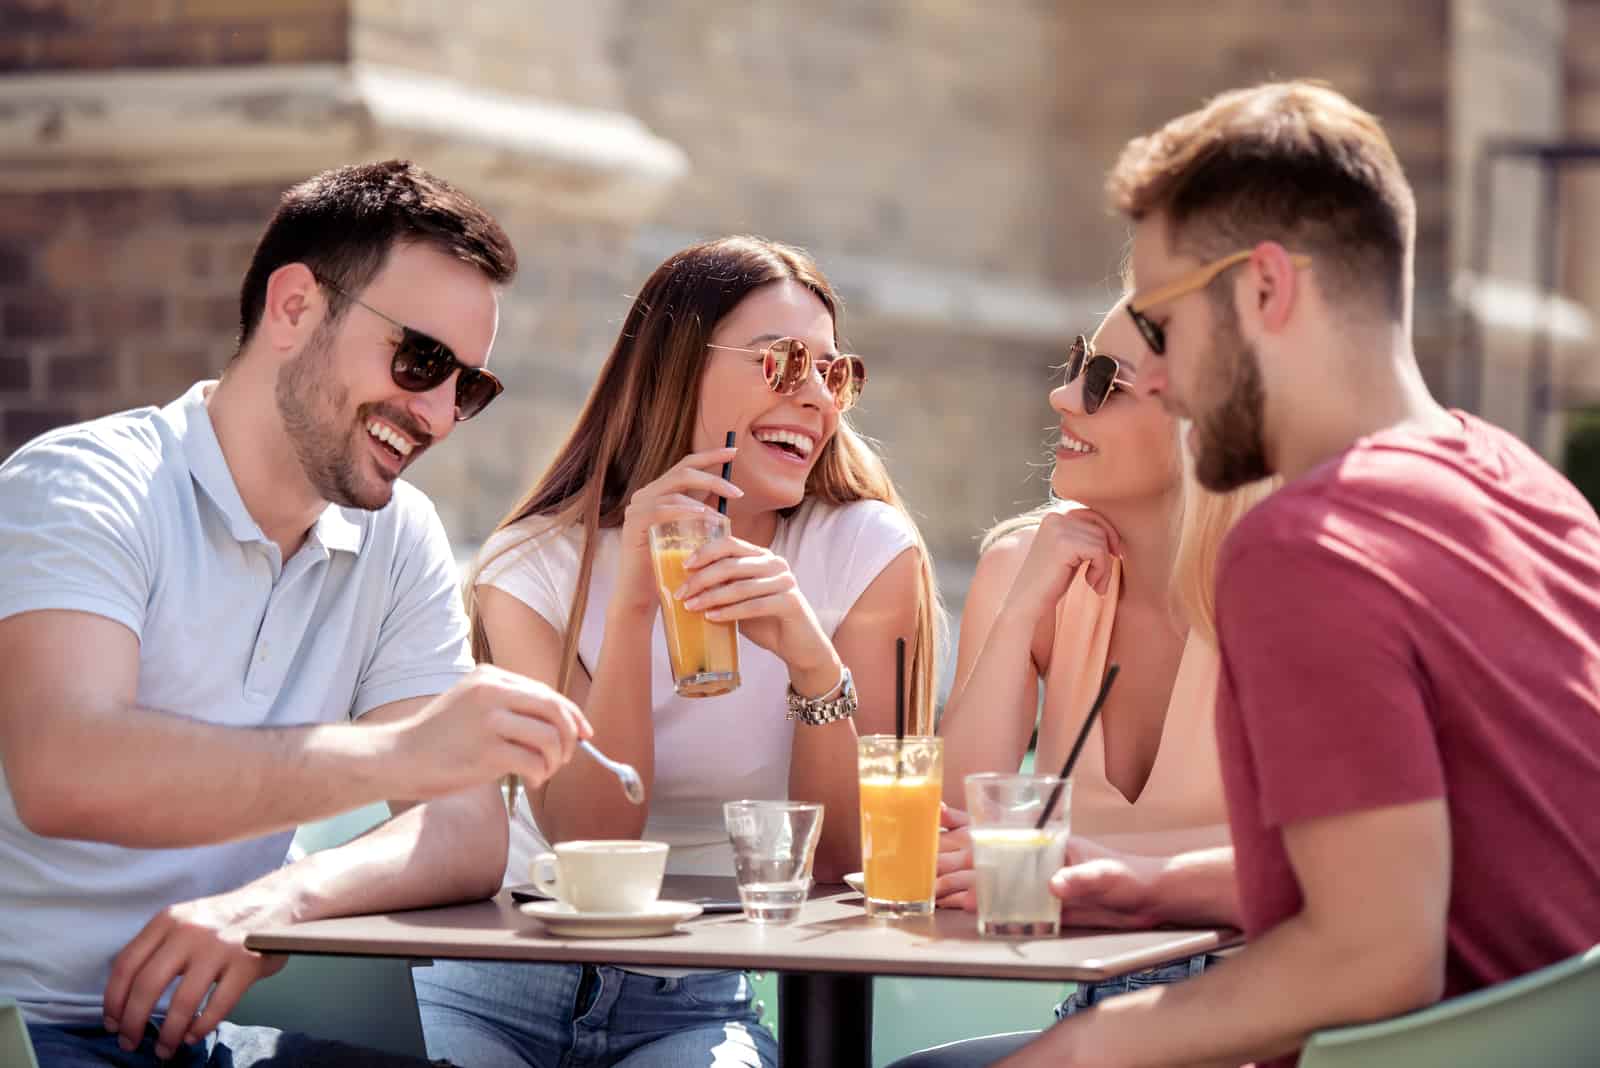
(1263, 1002)
(152, 780)
(449, 849)
(1198, 888)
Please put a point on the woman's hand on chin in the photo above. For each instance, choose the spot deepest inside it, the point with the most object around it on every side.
(1064, 542)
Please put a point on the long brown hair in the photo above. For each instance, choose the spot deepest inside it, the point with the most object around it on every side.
(634, 427)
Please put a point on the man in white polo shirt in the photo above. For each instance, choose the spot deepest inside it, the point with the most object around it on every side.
(226, 617)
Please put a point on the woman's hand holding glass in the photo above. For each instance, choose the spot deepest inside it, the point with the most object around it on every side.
(680, 493)
(955, 884)
(731, 579)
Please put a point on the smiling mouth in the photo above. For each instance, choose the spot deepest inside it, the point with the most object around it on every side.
(390, 439)
(1075, 445)
(790, 443)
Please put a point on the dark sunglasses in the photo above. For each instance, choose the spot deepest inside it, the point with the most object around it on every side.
(1101, 373)
(421, 363)
(787, 364)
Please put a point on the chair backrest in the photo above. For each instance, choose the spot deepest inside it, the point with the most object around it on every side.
(366, 1001)
(1550, 1017)
(337, 830)
(16, 1049)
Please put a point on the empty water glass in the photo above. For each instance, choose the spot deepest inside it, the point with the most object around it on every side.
(774, 843)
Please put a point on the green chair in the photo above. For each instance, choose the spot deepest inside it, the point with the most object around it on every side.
(913, 1014)
(16, 1049)
(1550, 1017)
(367, 1001)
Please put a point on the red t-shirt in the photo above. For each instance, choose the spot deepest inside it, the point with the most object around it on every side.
(1417, 618)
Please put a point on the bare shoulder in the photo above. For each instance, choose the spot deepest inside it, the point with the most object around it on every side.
(1001, 560)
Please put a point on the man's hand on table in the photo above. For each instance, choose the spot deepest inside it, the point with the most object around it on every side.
(1098, 887)
(201, 942)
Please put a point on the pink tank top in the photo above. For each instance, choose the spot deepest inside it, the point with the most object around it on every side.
(1181, 807)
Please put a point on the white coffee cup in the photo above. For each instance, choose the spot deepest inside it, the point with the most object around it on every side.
(602, 875)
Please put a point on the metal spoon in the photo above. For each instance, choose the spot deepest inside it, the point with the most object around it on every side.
(632, 785)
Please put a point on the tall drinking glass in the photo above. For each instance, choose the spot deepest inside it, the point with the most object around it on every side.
(1013, 858)
(704, 654)
(900, 786)
(774, 843)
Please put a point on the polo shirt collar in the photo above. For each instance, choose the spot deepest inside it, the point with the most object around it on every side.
(191, 421)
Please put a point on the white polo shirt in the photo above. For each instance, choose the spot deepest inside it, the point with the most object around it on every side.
(135, 517)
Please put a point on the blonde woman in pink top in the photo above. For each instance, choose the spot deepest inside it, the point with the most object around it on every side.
(1116, 568)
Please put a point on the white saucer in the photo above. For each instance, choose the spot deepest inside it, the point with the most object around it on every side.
(856, 881)
(564, 921)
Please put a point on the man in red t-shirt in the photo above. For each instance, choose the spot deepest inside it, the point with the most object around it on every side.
(1408, 711)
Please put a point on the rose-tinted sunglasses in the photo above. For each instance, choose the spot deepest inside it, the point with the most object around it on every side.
(1101, 373)
(421, 363)
(787, 364)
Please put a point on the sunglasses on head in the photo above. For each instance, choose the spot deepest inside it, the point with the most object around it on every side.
(787, 364)
(1152, 332)
(1101, 373)
(422, 363)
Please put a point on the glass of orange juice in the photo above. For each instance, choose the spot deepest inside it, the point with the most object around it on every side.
(900, 790)
(704, 654)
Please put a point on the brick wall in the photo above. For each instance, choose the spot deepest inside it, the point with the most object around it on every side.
(106, 34)
(975, 138)
(1507, 81)
(113, 299)
(947, 148)
(556, 50)
(1580, 197)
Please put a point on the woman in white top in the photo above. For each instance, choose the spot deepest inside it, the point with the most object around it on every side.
(823, 571)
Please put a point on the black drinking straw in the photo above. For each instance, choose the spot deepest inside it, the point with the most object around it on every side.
(727, 469)
(1077, 746)
(899, 704)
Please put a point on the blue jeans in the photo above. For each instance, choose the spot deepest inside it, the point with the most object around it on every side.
(226, 1047)
(1089, 995)
(493, 1015)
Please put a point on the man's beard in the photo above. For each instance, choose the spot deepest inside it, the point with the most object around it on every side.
(1230, 446)
(310, 405)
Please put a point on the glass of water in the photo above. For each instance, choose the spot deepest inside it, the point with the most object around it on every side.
(1013, 856)
(774, 843)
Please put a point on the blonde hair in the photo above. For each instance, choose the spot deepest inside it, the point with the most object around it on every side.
(1208, 516)
(638, 421)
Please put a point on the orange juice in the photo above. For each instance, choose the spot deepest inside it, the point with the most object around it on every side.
(704, 654)
(900, 786)
(900, 838)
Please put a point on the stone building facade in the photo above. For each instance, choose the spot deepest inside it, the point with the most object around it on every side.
(942, 159)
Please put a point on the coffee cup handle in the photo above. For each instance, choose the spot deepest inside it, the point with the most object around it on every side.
(546, 875)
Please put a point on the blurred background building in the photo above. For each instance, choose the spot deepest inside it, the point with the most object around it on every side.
(943, 159)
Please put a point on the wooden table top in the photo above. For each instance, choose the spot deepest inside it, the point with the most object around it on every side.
(833, 934)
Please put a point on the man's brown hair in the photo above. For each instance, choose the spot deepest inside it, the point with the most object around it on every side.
(344, 223)
(1292, 162)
